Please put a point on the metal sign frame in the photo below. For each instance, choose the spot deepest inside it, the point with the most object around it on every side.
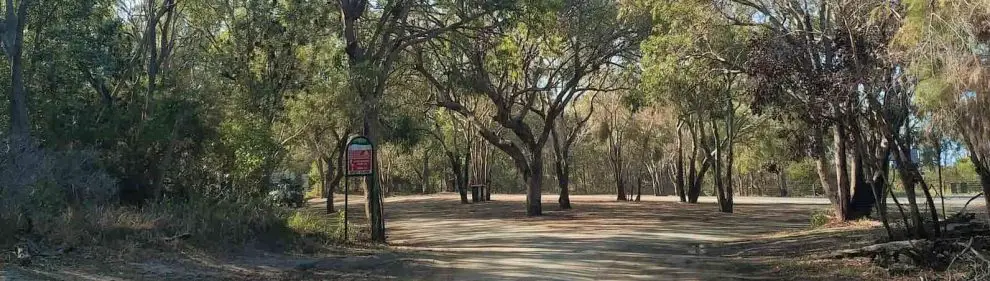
(363, 142)
(354, 140)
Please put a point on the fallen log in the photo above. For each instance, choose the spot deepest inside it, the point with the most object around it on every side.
(873, 250)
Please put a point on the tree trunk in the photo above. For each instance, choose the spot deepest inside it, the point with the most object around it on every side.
(152, 69)
(466, 185)
(841, 172)
(984, 172)
(694, 191)
(782, 183)
(821, 167)
(459, 181)
(373, 207)
(615, 155)
(729, 162)
(679, 174)
(720, 194)
(561, 154)
(639, 188)
(324, 170)
(563, 176)
(13, 39)
(426, 171)
(534, 207)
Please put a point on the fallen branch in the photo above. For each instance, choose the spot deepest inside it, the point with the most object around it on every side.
(967, 246)
(963, 210)
(183, 236)
(979, 255)
(873, 250)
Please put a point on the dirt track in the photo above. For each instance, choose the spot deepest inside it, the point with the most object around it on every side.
(600, 240)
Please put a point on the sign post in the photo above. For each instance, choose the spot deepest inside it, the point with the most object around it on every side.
(358, 162)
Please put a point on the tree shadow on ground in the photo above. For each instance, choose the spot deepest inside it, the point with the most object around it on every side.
(600, 240)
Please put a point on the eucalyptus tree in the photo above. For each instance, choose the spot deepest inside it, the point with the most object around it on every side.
(375, 34)
(529, 65)
(568, 130)
(15, 18)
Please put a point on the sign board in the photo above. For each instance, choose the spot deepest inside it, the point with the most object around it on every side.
(360, 156)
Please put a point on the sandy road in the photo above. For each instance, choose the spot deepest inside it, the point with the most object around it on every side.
(600, 240)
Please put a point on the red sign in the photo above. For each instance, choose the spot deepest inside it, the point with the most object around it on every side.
(359, 157)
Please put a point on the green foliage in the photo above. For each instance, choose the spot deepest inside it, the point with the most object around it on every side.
(820, 218)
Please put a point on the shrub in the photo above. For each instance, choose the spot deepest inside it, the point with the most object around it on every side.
(39, 189)
(66, 198)
(287, 190)
(820, 218)
(315, 224)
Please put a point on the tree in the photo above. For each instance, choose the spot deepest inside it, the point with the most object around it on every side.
(12, 40)
(374, 38)
(613, 131)
(529, 74)
(455, 137)
(567, 131)
(936, 41)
